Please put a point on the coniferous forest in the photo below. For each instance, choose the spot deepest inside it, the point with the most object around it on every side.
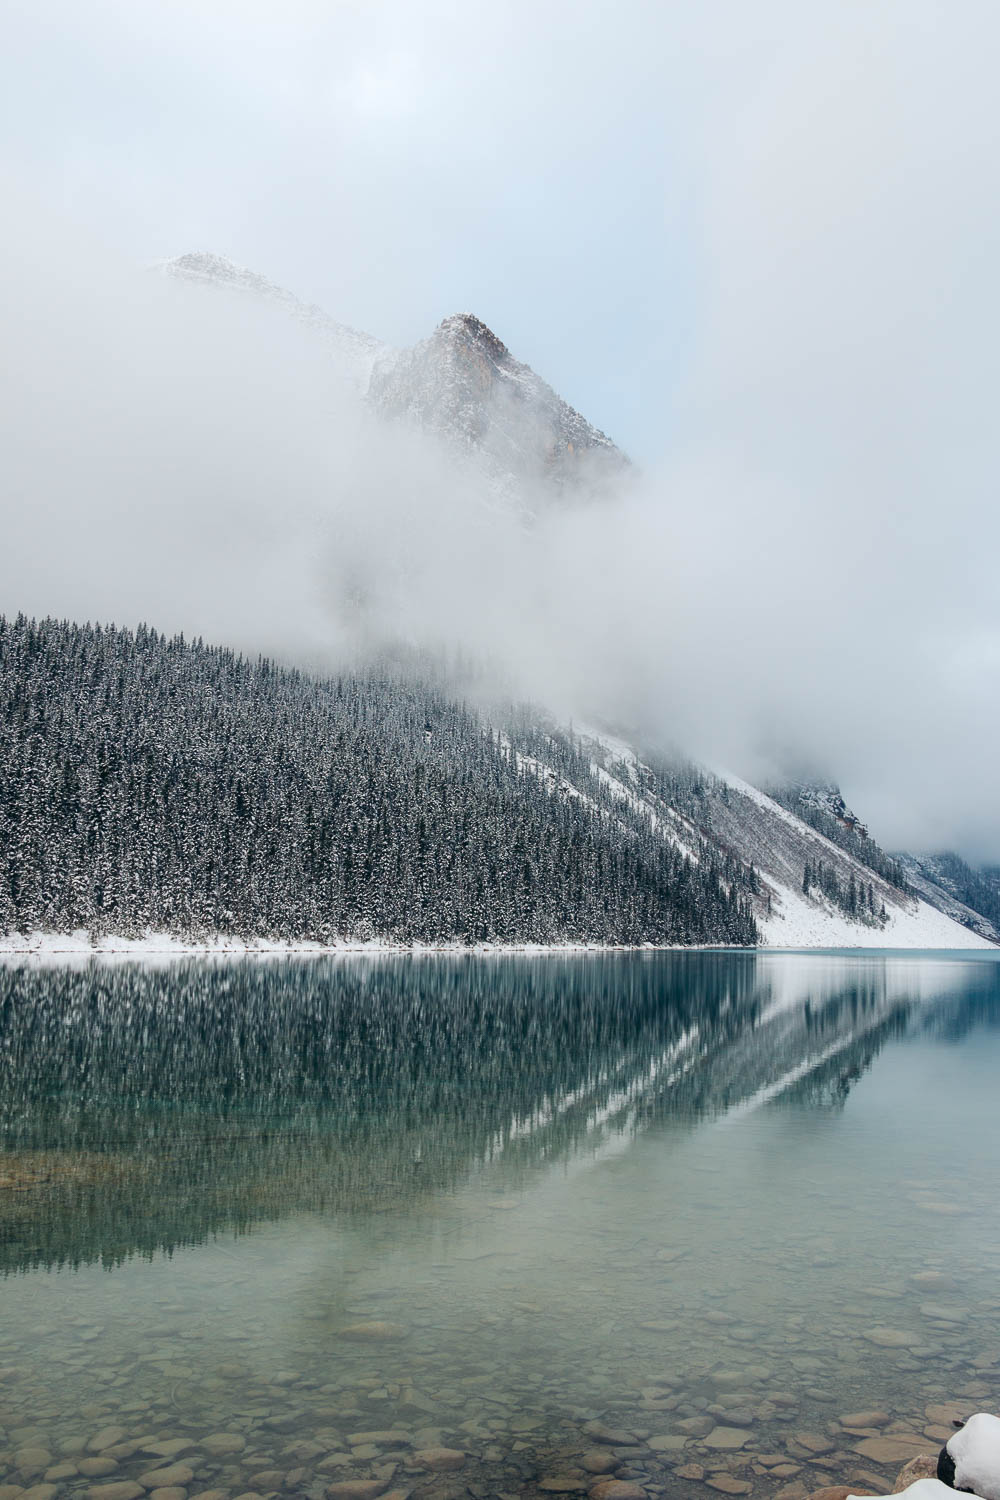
(156, 784)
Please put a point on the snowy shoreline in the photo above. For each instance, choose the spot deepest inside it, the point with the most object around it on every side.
(79, 944)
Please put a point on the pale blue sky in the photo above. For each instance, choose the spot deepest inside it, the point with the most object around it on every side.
(395, 163)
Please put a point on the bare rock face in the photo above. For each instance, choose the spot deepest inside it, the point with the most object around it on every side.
(615, 1437)
(465, 384)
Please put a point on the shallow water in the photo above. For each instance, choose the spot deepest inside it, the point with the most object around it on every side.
(714, 1201)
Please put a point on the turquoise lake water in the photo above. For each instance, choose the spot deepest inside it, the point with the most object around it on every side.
(253, 1212)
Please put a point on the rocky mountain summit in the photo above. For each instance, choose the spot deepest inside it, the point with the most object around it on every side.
(462, 384)
(465, 384)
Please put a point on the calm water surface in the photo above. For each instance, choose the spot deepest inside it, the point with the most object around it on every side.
(274, 1226)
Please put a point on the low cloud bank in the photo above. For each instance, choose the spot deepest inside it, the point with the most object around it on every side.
(781, 592)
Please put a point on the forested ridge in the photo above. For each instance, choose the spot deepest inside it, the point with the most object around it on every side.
(149, 783)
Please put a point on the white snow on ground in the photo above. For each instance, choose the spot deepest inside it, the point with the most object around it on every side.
(975, 1449)
(799, 923)
(921, 1489)
(59, 946)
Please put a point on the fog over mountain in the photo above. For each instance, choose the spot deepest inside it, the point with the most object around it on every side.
(781, 307)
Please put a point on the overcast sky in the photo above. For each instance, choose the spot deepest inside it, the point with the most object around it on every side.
(756, 243)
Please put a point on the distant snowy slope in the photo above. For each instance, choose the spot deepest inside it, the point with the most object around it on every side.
(780, 845)
(969, 896)
(353, 352)
(846, 899)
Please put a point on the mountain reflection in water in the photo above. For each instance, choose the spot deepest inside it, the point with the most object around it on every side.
(143, 1109)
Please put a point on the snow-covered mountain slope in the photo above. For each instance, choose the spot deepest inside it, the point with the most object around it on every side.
(946, 882)
(353, 353)
(462, 384)
(847, 904)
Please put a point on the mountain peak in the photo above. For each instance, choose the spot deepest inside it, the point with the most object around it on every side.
(462, 383)
(472, 331)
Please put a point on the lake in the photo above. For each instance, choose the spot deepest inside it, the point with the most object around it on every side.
(494, 1225)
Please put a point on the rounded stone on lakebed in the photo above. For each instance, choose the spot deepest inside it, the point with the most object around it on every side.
(813, 1442)
(695, 1426)
(108, 1437)
(894, 1448)
(889, 1338)
(864, 1419)
(439, 1460)
(170, 1492)
(615, 1437)
(334, 1461)
(600, 1461)
(617, 1489)
(96, 1468)
(72, 1444)
(727, 1437)
(728, 1484)
(171, 1448)
(356, 1489)
(168, 1478)
(933, 1281)
(219, 1443)
(31, 1461)
(124, 1489)
(943, 1414)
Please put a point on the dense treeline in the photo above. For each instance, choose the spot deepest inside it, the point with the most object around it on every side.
(148, 783)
